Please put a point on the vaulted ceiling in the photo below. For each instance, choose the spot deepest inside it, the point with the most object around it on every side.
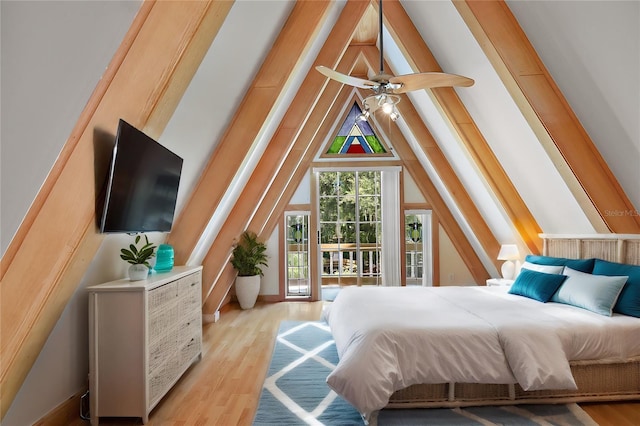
(489, 159)
(351, 46)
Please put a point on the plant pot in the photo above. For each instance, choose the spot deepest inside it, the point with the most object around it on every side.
(138, 272)
(247, 289)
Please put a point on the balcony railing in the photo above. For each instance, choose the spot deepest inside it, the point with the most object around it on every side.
(349, 264)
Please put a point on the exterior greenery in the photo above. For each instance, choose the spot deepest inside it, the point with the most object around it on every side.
(249, 255)
(138, 256)
(338, 200)
(350, 222)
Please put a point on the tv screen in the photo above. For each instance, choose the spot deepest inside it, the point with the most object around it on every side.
(142, 185)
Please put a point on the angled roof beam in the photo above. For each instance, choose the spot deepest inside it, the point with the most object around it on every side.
(567, 143)
(58, 238)
(300, 159)
(443, 168)
(281, 190)
(296, 129)
(430, 192)
(294, 39)
(421, 59)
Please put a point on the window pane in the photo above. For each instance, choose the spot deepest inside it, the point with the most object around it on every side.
(297, 255)
(368, 183)
(328, 233)
(368, 233)
(346, 183)
(369, 208)
(348, 233)
(328, 209)
(328, 183)
(348, 209)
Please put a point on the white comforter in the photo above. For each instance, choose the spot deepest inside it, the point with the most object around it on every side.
(389, 338)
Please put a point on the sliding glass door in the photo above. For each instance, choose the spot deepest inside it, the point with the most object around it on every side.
(350, 227)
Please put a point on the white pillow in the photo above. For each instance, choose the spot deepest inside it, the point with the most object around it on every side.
(596, 293)
(547, 269)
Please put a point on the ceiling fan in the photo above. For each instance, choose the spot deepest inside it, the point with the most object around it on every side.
(387, 87)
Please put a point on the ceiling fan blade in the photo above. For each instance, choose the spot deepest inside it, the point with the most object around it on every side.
(428, 80)
(346, 79)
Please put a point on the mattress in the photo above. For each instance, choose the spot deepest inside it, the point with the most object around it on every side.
(464, 335)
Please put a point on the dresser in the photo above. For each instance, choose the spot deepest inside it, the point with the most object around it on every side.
(143, 336)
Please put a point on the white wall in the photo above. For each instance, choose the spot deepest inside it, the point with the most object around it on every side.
(53, 54)
(270, 282)
(453, 271)
(592, 50)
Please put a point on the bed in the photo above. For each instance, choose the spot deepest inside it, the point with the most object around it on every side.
(431, 347)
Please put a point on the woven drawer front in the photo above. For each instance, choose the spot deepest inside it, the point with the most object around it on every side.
(162, 349)
(189, 350)
(161, 320)
(189, 281)
(163, 378)
(189, 302)
(160, 296)
(189, 326)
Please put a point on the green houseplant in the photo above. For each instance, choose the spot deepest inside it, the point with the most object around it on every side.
(138, 257)
(249, 256)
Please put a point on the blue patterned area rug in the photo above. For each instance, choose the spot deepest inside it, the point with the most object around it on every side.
(295, 392)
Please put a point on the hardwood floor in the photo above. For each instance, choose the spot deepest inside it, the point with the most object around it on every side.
(224, 387)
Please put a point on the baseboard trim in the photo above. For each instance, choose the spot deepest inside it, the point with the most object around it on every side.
(269, 298)
(64, 414)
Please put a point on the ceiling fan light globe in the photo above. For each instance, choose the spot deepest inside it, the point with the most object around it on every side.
(387, 107)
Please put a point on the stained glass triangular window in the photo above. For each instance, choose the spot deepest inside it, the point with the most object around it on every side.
(356, 136)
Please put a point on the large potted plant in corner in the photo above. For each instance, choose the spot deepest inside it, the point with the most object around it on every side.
(138, 258)
(248, 259)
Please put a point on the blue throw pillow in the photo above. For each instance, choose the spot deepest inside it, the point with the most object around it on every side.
(536, 285)
(629, 299)
(596, 293)
(582, 265)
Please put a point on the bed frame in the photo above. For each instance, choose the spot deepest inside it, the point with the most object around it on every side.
(598, 380)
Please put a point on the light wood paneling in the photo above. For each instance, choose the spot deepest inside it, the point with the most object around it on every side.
(549, 114)
(421, 59)
(58, 239)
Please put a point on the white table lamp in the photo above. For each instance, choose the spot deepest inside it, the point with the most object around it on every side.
(509, 253)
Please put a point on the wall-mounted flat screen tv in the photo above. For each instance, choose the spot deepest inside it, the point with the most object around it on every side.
(142, 185)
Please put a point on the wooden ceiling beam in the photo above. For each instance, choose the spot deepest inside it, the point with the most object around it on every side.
(58, 237)
(292, 131)
(282, 189)
(298, 161)
(431, 194)
(297, 34)
(420, 58)
(447, 174)
(547, 111)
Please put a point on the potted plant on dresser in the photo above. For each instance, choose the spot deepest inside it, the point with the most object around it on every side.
(138, 258)
(248, 259)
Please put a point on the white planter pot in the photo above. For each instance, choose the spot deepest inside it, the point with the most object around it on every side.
(138, 272)
(247, 289)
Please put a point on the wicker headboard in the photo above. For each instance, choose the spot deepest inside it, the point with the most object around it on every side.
(621, 248)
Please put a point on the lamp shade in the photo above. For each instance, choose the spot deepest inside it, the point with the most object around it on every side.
(508, 252)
